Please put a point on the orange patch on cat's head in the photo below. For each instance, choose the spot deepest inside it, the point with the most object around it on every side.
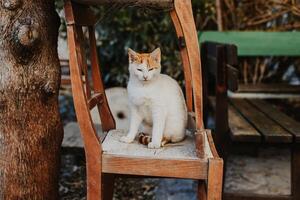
(151, 59)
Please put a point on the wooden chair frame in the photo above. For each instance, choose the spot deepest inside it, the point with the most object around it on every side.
(101, 167)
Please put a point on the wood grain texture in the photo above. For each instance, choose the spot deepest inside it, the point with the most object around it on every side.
(215, 171)
(185, 17)
(271, 131)
(240, 129)
(200, 143)
(276, 88)
(215, 179)
(185, 62)
(91, 141)
(95, 100)
(278, 116)
(211, 145)
(191, 169)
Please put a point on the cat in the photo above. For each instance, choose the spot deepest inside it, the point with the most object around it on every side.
(156, 101)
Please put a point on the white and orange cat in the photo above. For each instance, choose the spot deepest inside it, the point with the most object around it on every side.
(156, 101)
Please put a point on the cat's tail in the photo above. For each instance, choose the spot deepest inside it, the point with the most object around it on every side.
(145, 139)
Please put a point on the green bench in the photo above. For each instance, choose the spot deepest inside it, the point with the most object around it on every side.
(260, 43)
(248, 123)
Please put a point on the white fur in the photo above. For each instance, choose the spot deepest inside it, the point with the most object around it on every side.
(157, 105)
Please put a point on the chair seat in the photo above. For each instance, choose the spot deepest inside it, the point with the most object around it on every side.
(169, 161)
(182, 150)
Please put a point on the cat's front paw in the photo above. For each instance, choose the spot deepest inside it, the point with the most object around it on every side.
(153, 145)
(126, 139)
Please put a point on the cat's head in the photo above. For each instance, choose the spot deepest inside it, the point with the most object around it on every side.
(144, 66)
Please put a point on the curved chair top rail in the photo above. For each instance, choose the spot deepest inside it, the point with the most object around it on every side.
(159, 4)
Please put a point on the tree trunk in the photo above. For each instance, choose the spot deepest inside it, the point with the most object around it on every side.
(30, 126)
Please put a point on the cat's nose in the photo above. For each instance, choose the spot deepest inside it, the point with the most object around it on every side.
(145, 77)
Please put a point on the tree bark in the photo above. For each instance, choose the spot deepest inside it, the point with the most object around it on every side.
(30, 125)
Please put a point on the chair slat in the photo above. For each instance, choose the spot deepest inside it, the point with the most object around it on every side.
(65, 80)
(177, 168)
(271, 131)
(84, 65)
(105, 112)
(95, 100)
(281, 118)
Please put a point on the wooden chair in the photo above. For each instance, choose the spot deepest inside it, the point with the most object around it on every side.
(245, 124)
(196, 157)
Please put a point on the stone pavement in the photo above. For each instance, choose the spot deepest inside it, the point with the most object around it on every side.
(266, 173)
(176, 189)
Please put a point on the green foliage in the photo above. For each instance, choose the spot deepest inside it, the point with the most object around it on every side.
(140, 31)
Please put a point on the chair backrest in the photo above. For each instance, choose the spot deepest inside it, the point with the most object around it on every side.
(220, 61)
(86, 95)
(257, 43)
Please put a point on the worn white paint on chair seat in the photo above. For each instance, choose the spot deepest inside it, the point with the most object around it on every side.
(182, 150)
(112, 145)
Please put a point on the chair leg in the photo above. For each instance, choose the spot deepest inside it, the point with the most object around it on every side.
(108, 186)
(201, 190)
(94, 178)
(215, 179)
(295, 171)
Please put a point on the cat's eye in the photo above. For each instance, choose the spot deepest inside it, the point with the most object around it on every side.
(151, 69)
(139, 70)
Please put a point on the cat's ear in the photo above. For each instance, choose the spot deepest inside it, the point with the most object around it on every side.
(132, 55)
(156, 55)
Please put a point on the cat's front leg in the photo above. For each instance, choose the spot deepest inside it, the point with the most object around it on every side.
(159, 118)
(135, 121)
